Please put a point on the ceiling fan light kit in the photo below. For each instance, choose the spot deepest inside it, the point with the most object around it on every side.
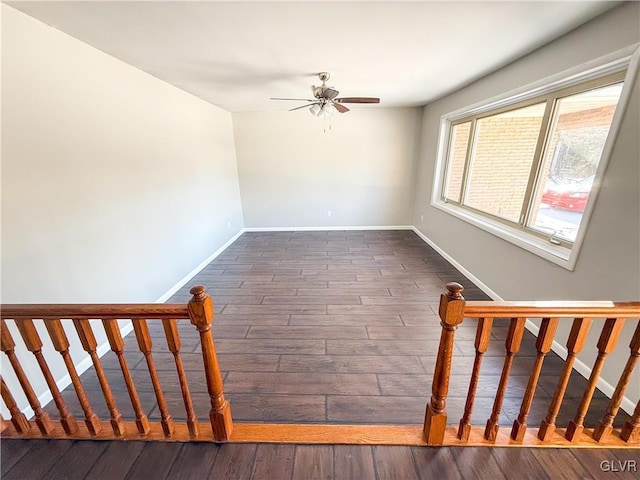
(320, 111)
(326, 101)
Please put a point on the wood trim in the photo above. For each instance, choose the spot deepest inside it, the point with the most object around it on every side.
(563, 308)
(103, 311)
(329, 434)
(398, 435)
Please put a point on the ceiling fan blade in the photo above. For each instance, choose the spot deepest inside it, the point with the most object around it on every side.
(330, 93)
(296, 99)
(340, 108)
(304, 106)
(357, 100)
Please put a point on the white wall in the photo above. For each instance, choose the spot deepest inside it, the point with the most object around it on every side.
(115, 185)
(609, 264)
(292, 173)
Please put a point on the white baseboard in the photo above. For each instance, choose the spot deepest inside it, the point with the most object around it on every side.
(319, 229)
(479, 283)
(582, 368)
(197, 270)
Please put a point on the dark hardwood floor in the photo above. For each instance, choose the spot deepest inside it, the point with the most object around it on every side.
(322, 327)
(333, 327)
(70, 460)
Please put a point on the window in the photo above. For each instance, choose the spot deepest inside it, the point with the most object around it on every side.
(502, 156)
(525, 167)
(579, 129)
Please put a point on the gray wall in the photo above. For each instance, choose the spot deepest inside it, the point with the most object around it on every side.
(608, 267)
(292, 172)
(115, 185)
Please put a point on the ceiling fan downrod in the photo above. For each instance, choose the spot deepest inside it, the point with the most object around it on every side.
(318, 91)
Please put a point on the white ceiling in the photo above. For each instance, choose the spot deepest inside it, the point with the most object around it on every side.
(239, 54)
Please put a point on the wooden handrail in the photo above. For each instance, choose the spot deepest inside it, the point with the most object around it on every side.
(453, 311)
(95, 310)
(551, 313)
(199, 311)
(559, 309)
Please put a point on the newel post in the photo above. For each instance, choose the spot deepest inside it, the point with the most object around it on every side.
(451, 313)
(201, 315)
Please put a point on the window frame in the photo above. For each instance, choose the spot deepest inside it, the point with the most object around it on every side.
(621, 66)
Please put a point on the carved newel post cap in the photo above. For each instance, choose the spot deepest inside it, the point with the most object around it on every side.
(455, 290)
(200, 308)
(198, 292)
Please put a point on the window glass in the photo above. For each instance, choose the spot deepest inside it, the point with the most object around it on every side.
(579, 130)
(503, 153)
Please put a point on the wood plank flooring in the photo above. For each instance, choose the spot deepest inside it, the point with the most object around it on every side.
(71, 460)
(332, 327)
(321, 327)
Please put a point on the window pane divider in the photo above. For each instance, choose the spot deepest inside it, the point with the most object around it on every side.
(536, 165)
(467, 161)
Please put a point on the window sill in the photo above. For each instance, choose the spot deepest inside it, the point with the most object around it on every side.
(560, 255)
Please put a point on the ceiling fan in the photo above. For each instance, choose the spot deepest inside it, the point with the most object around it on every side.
(326, 100)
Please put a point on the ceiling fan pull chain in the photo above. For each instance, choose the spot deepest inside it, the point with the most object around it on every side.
(325, 122)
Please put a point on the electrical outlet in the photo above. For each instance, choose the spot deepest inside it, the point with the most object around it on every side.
(421, 217)
(328, 213)
(228, 224)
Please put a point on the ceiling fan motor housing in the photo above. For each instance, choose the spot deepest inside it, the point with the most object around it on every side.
(319, 91)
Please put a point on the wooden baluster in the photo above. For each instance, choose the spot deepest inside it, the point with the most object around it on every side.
(201, 315)
(606, 344)
(631, 430)
(34, 345)
(483, 333)
(7, 345)
(512, 346)
(543, 345)
(451, 313)
(88, 340)
(173, 342)
(575, 342)
(61, 344)
(116, 342)
(144, 342)
(605, 426)
(18, 419)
